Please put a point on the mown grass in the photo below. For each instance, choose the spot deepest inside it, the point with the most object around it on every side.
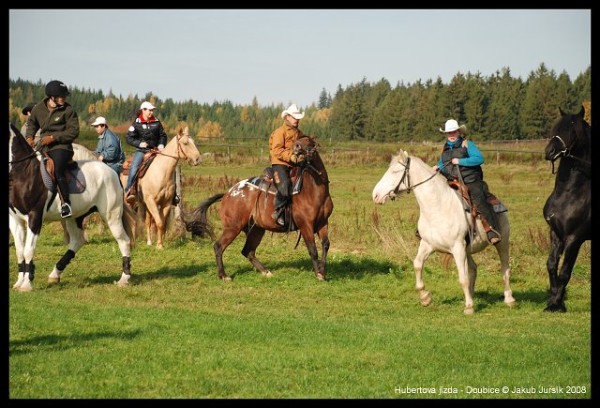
(178, 332)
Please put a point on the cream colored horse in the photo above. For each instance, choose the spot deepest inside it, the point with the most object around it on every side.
(443, 224)
(156, 188)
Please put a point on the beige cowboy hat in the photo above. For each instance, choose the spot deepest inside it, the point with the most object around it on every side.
(293, 111)
(451, 125)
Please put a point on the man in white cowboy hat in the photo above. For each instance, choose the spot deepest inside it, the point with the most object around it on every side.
(281, 142)
(461, 160)
(109, 149)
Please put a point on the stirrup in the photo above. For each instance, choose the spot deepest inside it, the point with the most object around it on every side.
(65, 210)
(493, 236)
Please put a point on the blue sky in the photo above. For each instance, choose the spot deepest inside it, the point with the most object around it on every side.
(283, 55)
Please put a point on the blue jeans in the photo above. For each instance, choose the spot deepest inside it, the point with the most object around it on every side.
(138, 157)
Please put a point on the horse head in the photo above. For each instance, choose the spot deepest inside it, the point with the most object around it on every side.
(306, 146)
(394, 180)
(570, 137)
(186, 147)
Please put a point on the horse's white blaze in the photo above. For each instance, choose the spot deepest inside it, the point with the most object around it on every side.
(443, 224)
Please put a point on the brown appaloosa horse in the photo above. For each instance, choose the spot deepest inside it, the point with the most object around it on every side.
(248, 206)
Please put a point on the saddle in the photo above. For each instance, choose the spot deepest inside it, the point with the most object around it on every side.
(146, 162)
(463, 190)
(266, 184)
(74, 176)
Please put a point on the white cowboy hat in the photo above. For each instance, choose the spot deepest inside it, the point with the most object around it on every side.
(452, 125)
(100, 120)
(293, 111)
(147, 105)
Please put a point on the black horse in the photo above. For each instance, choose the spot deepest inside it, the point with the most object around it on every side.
(568, 210)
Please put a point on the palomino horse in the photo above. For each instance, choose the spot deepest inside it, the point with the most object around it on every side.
(30, 203)
(443, 225)
(248, 206)
(568, 210)
(156, 188)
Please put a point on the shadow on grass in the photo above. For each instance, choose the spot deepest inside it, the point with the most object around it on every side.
(63, 342)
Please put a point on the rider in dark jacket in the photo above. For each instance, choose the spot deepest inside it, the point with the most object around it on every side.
(59, 127)
(462, 159)
(145, 133)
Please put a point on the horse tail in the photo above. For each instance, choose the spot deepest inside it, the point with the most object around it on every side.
(197, 222)
(129, 223)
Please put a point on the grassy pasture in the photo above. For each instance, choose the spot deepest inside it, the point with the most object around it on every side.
(178, 332)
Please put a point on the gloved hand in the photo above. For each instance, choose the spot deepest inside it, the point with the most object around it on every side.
(143, 145)
(31, 142)
(46, 140)
(296, 158)
(160, 147)
(101, 158)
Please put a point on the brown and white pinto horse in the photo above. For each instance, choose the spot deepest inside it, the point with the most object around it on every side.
(30, 203)
(247, 207)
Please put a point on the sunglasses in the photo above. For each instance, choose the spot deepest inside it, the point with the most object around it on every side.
(151, 110)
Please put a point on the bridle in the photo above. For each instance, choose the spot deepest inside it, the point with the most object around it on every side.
(406, 175)
(565, 153)
(180, 151)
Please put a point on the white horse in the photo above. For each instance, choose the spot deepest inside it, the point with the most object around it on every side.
(30, 203)
(444, 225)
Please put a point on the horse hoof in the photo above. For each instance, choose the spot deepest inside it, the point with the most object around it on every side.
(320, 277)
(469, 310)
(425, 298)
(24, 289)
(226, 278)
(555, 308)
(511, 304)
(267, 274)
(122, 284)
(53, 280)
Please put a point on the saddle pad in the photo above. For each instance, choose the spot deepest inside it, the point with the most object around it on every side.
(75, 178)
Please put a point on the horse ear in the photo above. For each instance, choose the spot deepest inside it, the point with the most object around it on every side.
(562, 113)
(186, 131)
(582, 112)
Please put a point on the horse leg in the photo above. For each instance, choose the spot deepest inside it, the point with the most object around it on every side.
(18, 230)
(552, 266)
(557, 302)
(308, 235)
(460, 257)
(472, 268)
(220, 246)
(153, 214)
(148, 223)
(324, 237)
(422, 254)
(115, 224)
(161, 225)
(502, 249)
(75, 242)
(253, 239)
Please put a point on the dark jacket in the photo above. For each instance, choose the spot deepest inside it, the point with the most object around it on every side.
(62, 123)
(151, 132)
(460, 150)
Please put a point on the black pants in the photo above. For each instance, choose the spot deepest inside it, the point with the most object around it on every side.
(283, 184)
(61, 157)
(478, 198)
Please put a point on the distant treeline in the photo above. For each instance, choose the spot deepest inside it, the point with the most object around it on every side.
(498, 107)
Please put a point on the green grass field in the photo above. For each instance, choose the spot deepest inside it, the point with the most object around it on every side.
(178, 332)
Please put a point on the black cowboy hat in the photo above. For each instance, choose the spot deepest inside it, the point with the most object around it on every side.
(28, 108)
